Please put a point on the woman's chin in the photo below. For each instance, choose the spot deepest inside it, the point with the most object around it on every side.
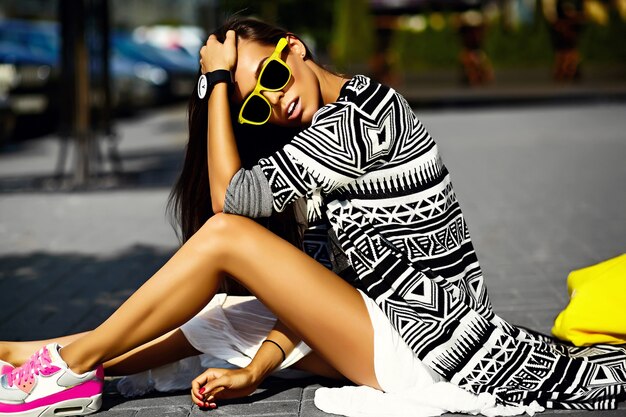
(299, 122)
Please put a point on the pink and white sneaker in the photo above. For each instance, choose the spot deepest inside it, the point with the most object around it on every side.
(45, 386)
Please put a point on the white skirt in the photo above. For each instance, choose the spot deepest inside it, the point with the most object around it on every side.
(230, 330)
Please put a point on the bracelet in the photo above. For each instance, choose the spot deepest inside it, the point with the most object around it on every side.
(278, 346)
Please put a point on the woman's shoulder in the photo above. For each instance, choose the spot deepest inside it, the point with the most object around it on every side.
(361, 90)
(358, 86)
(370, 96)
(367, 96)
(364, 104)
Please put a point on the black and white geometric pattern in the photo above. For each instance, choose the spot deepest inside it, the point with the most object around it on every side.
(372, 173)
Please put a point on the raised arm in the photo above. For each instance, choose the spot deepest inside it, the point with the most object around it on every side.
(223, 157)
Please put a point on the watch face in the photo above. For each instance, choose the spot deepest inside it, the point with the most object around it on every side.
(202, 86)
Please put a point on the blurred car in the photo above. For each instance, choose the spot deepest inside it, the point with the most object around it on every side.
(7, 118)
(141, 74)
(173, 72)
(188, 39)
(130, 92)
(29, 63)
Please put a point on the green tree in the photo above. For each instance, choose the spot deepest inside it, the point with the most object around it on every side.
(353, 33)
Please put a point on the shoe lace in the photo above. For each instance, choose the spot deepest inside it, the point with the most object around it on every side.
(37, 363)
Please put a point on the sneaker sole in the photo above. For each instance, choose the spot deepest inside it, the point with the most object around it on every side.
(73, 407)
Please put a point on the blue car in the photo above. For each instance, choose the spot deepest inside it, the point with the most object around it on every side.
(29, 64)
(30, 68)
(173, 72)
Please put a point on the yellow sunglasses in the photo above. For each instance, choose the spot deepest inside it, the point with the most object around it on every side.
(274, 76)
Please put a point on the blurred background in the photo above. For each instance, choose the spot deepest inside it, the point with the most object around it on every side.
(74, 66)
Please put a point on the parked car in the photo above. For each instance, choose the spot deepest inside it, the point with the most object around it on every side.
(7, 118)
(141, 74)
(173, 72)
(129, 91)
(30, 66)
(188, 39)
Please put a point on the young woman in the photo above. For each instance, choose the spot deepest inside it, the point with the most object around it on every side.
(405, 302)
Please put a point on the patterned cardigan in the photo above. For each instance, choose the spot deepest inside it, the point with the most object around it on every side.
(373, 175)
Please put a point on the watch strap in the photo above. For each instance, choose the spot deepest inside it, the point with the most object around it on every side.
(220, 76)
(209, 79)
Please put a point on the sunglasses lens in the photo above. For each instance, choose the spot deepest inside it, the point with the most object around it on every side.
(256, 110)
(275, 76)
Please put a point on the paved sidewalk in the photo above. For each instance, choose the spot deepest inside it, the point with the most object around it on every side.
(543, 189)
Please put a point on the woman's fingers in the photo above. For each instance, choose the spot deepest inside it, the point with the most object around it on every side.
(231, 37)
(198, 385)
(216, 55)
(230, 48)
(214, 387)
(197, 390)
(217, 384)
(207, 384)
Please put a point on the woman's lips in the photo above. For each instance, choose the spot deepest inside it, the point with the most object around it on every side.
(294, 109)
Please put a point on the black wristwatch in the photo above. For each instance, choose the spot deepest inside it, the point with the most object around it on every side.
(209, 79)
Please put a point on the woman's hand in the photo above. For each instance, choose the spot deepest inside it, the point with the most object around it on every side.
(215, 55)
(217, 384)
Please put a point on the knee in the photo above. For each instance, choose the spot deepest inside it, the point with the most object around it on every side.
(216, 237)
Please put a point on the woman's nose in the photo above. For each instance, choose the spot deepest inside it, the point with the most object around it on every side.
(273, 96)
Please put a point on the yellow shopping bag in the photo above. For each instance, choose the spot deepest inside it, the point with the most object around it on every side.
(596, 312)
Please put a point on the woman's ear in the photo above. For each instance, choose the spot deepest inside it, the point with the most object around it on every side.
(295, 45)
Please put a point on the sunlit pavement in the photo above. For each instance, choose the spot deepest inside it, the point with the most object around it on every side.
(543, 189)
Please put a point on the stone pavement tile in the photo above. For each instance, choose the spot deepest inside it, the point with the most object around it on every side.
(278, 397)
(82, 290)
(257, 409)
(524, 297)
(118, 413)
(113, 401)
(308, 409)
(163, 412)
(540, 321)
(171, 404)
(275, 397)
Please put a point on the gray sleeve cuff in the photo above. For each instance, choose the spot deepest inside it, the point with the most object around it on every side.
(249, 194)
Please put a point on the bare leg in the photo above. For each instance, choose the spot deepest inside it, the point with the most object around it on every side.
(166, 349)
(314, 364)
(324, 310)
(16, 353)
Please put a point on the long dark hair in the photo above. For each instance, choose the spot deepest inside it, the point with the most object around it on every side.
(190, 199)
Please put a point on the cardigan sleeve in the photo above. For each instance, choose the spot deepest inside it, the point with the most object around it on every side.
(248, 194)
